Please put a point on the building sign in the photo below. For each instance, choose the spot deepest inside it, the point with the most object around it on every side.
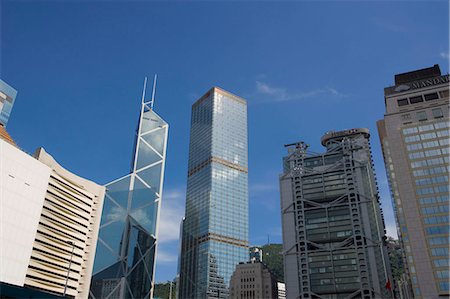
(417, 84)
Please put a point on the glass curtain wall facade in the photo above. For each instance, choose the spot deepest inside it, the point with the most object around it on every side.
(414, 135)
(215, 228)
(333, 229)
(7, 97)
(125, 257)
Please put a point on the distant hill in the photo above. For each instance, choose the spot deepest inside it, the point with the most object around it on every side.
(273, 258)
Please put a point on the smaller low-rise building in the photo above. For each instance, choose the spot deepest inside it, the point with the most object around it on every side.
(253, 280)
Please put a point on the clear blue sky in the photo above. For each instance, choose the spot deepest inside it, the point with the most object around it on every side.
(304, 67)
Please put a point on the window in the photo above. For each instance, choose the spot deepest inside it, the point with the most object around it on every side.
(410, 130)
(402, 102)
(444, 286)
(421, 115)
(406, 116)
(440, 251)
(431, 96)
(444, 93)
(437, 113)
(441, 263)
(415, 100)
(442, 274)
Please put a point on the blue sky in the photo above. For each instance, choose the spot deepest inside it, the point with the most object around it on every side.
(305, 68)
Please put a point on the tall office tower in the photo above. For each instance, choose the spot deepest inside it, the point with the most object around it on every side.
(332, 224)
(125, 260)
(414, 135)
(49, 220)
(215, 229)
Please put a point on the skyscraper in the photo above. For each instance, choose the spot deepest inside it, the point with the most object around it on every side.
(333, 229)
(125, 260)
(414, 135)
(215, 228)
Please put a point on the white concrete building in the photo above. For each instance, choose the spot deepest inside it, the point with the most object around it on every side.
(49, 222)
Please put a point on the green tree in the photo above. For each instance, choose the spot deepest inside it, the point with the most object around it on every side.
(162, 290)
(273, 258)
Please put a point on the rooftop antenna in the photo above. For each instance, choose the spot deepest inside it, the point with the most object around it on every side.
(153, 91)
(143, 90)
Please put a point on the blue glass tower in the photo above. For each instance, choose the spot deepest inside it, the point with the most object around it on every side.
(7, 97)
(126, 248)
(215, 228)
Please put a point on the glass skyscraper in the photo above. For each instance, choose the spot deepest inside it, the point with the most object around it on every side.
(7, 97)
(215, 228)
(125, 257)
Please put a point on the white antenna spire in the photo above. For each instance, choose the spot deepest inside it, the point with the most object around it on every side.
(143, 90)
(153, 91)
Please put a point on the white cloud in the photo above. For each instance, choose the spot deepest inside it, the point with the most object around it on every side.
(164, 257)
(279, 94)
(445, 55)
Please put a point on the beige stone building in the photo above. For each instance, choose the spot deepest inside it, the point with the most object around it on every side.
(414, 135)
(253, 280)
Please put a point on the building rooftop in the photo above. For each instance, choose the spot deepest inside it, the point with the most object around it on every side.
(421, 74)
(5, 136)
(341, 134)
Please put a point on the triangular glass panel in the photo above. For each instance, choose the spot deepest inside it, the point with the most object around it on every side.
(152, 176)
(109, 208)
(111, 235)
(146, 156)
(142, 195)
(150, 121)
(156, 139)
(118, 190)
(146, 217)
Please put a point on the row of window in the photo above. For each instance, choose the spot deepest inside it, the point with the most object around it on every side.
(428, 153)
(441, 263)
(435, 209)
(439, 251)
(438, 240)
(425, 136)
(436, 219)
(444, 286)
(442, 274)
(428, 144)
(438, 230)
(429, 190)
(418, 99)
(431, 171)
(433, 180)
(429, 162)
(424, 128)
